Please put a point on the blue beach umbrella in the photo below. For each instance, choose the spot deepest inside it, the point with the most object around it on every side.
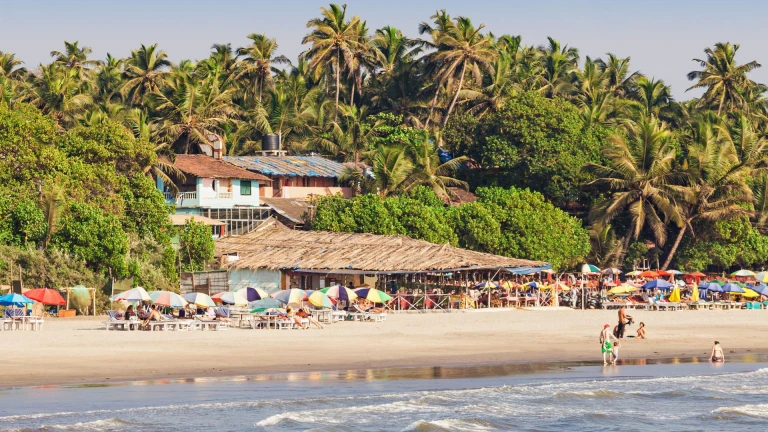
(483, 285)
(762, 289)
(711, 286)
(657, 283)
(732, 288)
(14, 299)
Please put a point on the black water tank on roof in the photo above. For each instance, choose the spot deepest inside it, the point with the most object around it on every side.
(270, 142)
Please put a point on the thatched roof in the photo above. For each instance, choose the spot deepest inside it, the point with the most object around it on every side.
(274, 246)
(207, 167)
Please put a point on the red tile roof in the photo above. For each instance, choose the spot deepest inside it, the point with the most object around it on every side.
(204, 166)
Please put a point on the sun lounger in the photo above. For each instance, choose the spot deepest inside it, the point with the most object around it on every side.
(700, 305)
(211, 324)
(668, 305)
(114, 321)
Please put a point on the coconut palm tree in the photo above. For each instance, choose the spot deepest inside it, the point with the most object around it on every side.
(10, 66)
(257, 61)
(558, 62)
(716, 183)
(108, 78)
(56, 91)
(192, 110)
(725, 81)
(429, 171)
(616, 70)
(365, 55)
(442, 23)
(221, 63)
(391, 167)
(395, 49)
(333, 39)
(652, 97)
(461, 49)
(145, 73)
(75, 58)
(501, 86)
(639, 175)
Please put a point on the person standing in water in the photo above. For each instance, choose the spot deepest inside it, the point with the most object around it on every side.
(605, 343)
(717, 354)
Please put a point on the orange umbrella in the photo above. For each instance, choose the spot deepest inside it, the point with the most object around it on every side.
(46, 296)
(696, 274)
(663, 273)
(649, 274)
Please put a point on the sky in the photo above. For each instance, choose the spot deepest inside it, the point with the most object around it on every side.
(661, 37)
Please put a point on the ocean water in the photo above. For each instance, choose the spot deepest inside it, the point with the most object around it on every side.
(682, 396)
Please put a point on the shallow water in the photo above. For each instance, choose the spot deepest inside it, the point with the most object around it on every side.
(676, 396)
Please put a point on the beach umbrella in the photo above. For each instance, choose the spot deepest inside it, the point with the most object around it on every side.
(663, 273)
(748, 293)
(168, 299)
(14, 299)
(373, 295)
(533, 284)
(339, 292)
(732, 288)
(622, 289)
(509, 285)
(293, 295)
(695, 294)
(230, 298)
(199, 300)
(46, 296)
(674, 272)
(760, 288)
(675, 296)
(762, 276)
(633, 273)
(137, 294)
(712, 286)
(657, 283)
(649, 274)
(559, 285)
(484, 285)
(743, 273)
(252, 294)
(267, 303)
(548, 271)
(319, 299)
(612, 271)
(696, 274)
(589, 268)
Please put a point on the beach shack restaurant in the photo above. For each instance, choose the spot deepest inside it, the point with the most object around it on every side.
(275, 257)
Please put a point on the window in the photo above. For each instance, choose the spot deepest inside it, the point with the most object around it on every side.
(245, 187)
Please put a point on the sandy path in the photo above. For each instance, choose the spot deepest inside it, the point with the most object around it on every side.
(80, 350)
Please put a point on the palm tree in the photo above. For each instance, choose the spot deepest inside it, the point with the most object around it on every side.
(639, 174)
(75, 58)
(333, 38)
(616, 70)
(56, 92)
(428, 171)
(716, 185)
(365, 55)
(558, 62)
(257, 62)
(651, 96)
(442, 23)
(463, 48)
(497, 92)
(725, 81)
(391, 167)
(395, 49)
(145, 73)
(605, 247)
(192, 110)
(108, 78)
(10, 66)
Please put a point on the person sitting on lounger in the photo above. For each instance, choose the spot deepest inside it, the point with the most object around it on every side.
(291, 314)
(129, 313)
(641, 331)
(154, 315)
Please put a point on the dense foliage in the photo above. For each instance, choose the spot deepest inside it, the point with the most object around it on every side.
(590, 135)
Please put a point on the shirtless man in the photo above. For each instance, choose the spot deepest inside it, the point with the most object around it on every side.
(622, 321)
(154, 315)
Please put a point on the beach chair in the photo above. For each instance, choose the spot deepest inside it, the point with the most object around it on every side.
(211, 324)
(113, 322)
(6, 322)
(359, 314)
(36, 323)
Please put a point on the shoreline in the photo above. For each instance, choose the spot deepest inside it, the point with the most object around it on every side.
(79, 352)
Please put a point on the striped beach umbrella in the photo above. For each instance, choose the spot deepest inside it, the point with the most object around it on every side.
(589, 268)
(230, 298)
(743, 273)
(373, 295)
(253, 294)
(339, 292)
(762, 276)
(319, 299)
(293, 295)
(199, 300)
(168, 299)
(137, 294)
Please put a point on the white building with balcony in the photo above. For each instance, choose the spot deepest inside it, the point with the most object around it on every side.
(219, 190)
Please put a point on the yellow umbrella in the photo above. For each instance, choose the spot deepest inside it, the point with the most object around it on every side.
(559, 285)
(509, 285)
(633, 273)
(695, 294)
(675, 296)
(622, 289)
(748, 293)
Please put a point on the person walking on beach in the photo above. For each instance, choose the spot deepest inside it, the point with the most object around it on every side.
(717, 354)
(605, 343)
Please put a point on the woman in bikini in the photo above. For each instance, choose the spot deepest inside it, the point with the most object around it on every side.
(717, 354)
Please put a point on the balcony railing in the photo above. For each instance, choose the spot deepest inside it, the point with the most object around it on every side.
(186, 196)
(225, 195)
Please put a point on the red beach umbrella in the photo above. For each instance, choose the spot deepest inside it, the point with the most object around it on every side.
(46, 296)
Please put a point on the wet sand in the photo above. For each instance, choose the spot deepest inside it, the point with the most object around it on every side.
(75, 351)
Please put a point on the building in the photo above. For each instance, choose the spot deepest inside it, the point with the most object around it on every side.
(275, 257)
(216, 189)
(295, 176)
(218, 228)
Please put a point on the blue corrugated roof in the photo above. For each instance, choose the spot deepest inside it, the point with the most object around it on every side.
(291, 166)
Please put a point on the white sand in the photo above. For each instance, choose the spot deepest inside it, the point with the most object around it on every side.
(80, 350)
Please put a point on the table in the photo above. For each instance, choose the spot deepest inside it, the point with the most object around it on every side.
(322, 315)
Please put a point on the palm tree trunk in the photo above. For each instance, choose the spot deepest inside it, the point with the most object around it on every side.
(624, 249)
(352, 97)
(261, 87)
(432, 106)
(675, 246)
(336, 113)
(456, 97)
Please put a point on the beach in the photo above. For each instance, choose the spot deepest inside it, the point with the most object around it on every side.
(75, 351)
